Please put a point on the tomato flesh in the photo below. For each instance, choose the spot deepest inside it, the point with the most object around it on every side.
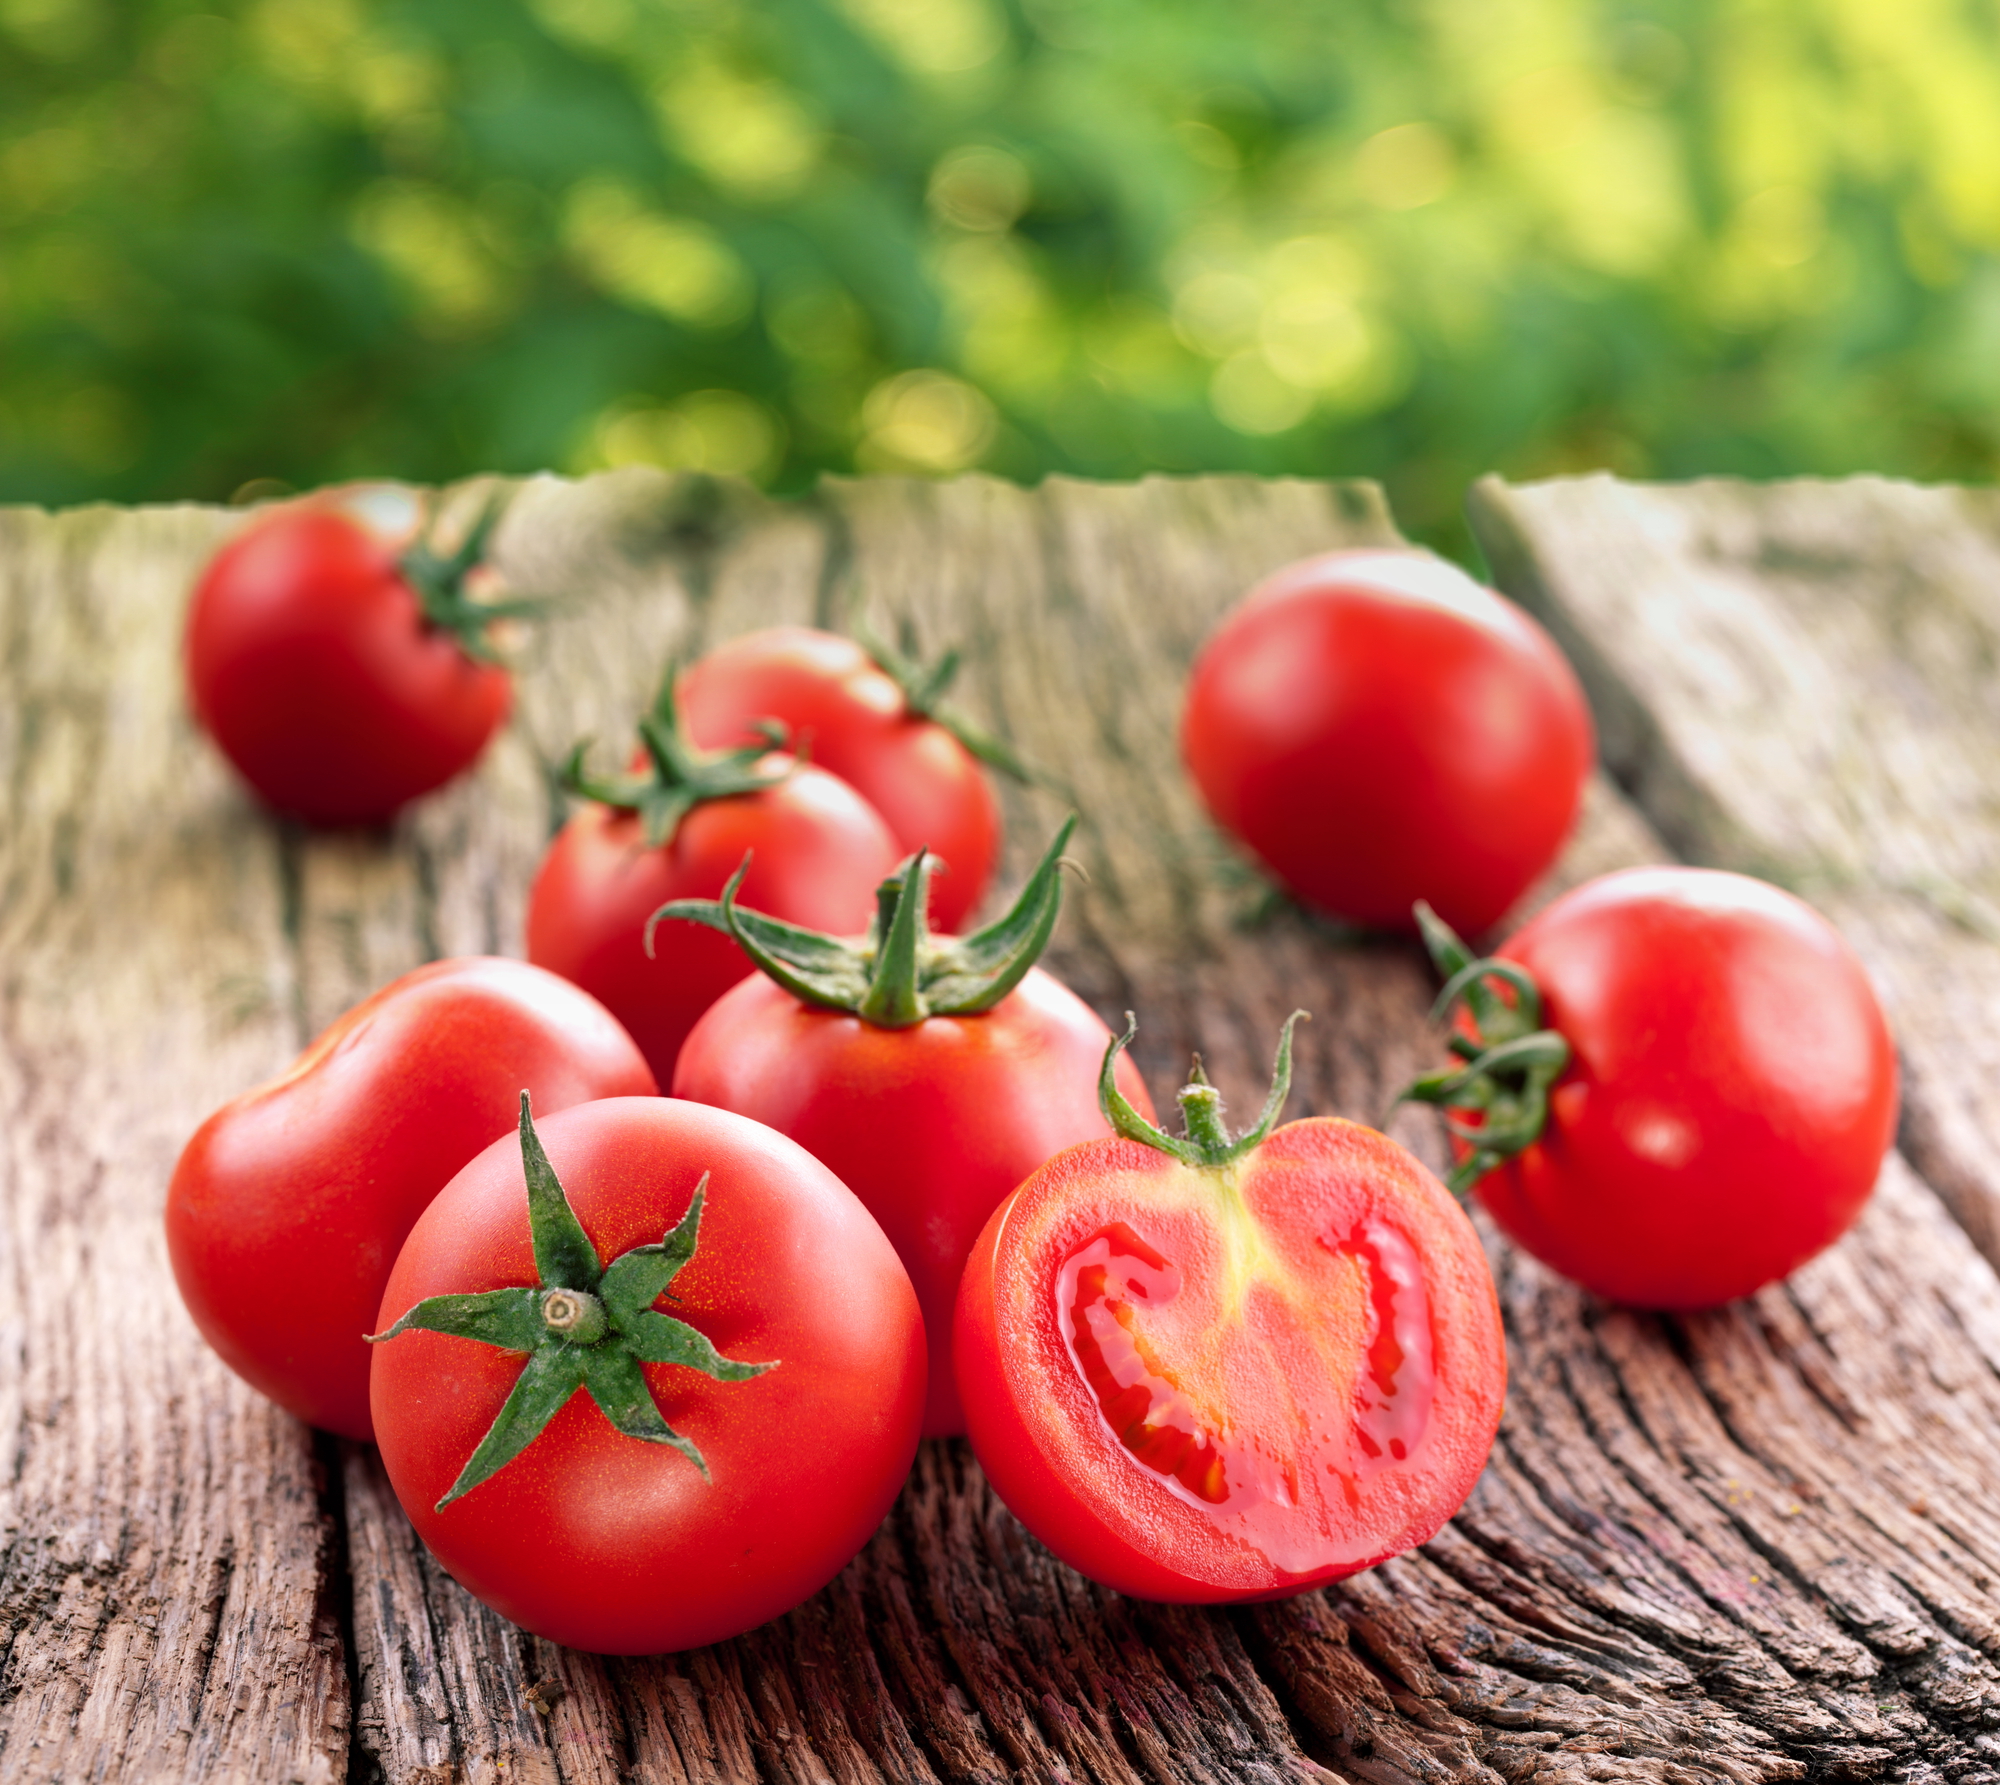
(1199, 1383)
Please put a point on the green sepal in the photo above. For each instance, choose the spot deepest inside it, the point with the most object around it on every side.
(618, 1386)
(678, 776)
(923, 690)
(611, 1326)
(564, 1256)
(1207, 1142)
(897, 974)
(639, 1277)
(1509, 1063)
(439, 584)
(550, 1376)
(508, 1318)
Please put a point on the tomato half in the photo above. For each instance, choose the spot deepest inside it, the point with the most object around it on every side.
(929, 1125)
(1378, 729)
(1207, 1382)
(339, 691)
(600, 1540)
(817, 850)
(1730, 1092)
(287, 1207)
(853, 718)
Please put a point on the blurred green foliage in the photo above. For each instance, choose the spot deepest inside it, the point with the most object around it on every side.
(305, 240)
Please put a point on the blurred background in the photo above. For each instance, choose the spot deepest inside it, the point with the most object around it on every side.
(292, 241)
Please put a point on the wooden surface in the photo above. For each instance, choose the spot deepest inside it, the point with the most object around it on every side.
(1759, 1544)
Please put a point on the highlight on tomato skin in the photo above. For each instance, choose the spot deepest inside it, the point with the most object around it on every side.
(1206, 1384)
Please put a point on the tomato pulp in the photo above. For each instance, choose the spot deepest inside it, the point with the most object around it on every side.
(288, 1206)
(854, 719)
(1379, 729)
(1204, 1382)
(591, 1537)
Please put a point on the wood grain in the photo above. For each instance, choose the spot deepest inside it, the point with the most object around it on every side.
(1761, 1544)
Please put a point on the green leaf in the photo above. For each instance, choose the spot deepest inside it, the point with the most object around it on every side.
(564, 1256)
(618, 1386)
(509, 1318)
(824, 970)
(987, 965)
(661, 1339)
(551, 1375)
(892, 1000)
(633, 1281)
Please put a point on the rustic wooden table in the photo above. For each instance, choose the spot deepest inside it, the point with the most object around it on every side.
(1762, 1543)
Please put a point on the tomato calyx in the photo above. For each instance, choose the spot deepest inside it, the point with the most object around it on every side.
(923, 690)
(584, 1325)
(438, 582)
(1510, 1060)
(1206, 1142)
(898, 974)
(678, 775)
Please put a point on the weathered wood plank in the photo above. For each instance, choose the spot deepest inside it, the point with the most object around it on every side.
(1758, 1545)
(165, 1605)
(1802, 680)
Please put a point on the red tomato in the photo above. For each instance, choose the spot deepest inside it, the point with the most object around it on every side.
(929, 1125)
(591, 1537)
(1730, 1092)
(336, 689)
(288, 1205)
(1220, 1381)
(852, 718)
(818, 850)
(1379, 729)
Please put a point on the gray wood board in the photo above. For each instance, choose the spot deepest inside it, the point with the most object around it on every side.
(1759, 1544)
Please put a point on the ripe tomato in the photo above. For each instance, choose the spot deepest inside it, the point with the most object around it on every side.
(1205, 1370)
(1379, 729)
(854, 718)
(341, 675)
(288, 1205)
(1721, 1108)
(676, 827)
(738, 1437)
(931, 1107)
(817, 850)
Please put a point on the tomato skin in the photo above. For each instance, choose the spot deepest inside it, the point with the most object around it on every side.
(603, 1542)
(310, 663)
(1257, 1366)
(930, 1126)
(288, 1206)
(819, 851)
(852, 719)
(1731, 1092)
(1380, 729)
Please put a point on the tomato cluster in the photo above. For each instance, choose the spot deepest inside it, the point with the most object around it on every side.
(906, 1183)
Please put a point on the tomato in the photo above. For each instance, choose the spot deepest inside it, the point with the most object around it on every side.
(677, 831)
(1378, 729)
(287, 1207)
(1715, 1107)
(856, 719)
(630, 1490)
(930, 1112)
(1207, 1370)
(342, 676)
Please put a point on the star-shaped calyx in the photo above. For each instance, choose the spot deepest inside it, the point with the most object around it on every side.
(438, 580)
(584, 1325)
(676, 776)
(898, 973)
